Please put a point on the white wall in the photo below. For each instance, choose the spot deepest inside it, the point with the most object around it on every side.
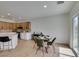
(57, 25)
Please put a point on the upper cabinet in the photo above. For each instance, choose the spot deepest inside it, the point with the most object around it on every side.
(1, 25)
(28, 27)
(13, 26)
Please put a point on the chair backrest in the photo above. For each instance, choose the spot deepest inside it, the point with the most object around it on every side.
(4, 39)
(35, 38)
(53, 39)
(39, 43)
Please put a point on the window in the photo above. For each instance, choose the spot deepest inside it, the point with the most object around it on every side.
(75, 34)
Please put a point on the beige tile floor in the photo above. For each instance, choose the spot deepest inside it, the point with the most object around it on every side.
(25, 49)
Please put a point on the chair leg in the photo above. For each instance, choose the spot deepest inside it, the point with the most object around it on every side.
(0, 47)
(53, 48)
(33, 46)
(11, 44)
(43, 51)
(46, 49)
(48, 46)
(37, 50)
(3, 45)
(8, 45)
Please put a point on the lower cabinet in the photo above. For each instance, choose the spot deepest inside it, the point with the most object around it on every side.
(26, 36)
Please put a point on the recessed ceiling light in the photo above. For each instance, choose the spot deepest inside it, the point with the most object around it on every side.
(9, 14)
(45, 6)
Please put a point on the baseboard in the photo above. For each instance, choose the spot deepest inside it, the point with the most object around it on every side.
(63, 44)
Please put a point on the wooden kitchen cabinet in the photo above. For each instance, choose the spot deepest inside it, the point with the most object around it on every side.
(10, 26)
(1, 25)
(14, 26)
(7, 26)
(28, 26)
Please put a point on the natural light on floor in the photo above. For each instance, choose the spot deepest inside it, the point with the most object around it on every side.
(65, 52)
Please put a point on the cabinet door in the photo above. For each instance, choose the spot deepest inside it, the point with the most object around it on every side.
(17, 24)
(28, 26)
(14, 26)
(1, 27)
(10, 26)
(7, 26)
(23, 25)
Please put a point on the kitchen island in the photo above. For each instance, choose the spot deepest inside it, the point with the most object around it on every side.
(12, 36)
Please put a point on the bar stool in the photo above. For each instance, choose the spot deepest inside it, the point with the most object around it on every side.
(4, 40)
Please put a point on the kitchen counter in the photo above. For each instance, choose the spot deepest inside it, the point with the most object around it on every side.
(12, 36)
(26, 35)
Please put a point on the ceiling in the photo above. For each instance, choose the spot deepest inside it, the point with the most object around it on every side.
(32, 9)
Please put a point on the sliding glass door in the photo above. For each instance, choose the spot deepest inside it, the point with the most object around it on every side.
(75, 34)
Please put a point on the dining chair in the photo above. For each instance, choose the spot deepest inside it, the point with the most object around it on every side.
(4, 40)
(51, 43)
(34, 37)
(35, 41)
(39, 45)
